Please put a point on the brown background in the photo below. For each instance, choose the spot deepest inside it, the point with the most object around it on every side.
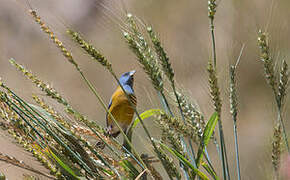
(184, 29)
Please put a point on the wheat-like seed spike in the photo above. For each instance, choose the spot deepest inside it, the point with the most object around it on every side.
(51, 92)
(52, 36)
(267, 61)
(168, 163)
(145, 55)
(276, 148)
(233, 94)
(147, 60)
(283, 83)
(178, 126)
(162, 55)
(193, 116)
(95, 54)
(214, 89)
(16, 130)
(51, 111)
(211, 8)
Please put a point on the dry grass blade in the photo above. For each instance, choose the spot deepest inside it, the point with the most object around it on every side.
(21, 164)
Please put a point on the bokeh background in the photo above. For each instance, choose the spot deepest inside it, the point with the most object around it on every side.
(184, 30)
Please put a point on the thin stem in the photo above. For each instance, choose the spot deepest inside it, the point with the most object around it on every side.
(209, 163)
(237, 150)
(217, 147)
(213, 42)
(226, 158)
(184, 146)
(101, 138)
(223, 147)
(234, 108)
(206, 155)
(183, 118)
(50, 132)
(127, 151)
(165, 103)
(283, 129)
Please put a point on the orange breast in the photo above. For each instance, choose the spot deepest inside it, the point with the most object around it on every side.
(121, 110)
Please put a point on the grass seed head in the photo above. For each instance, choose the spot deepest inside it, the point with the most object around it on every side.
(162, 55)
(283, 83)
(276, 147)
(96, 55)
(214, 88)
(211, 8)
(168, 163)
(147, 59)
(267, 60)
(54, 38)
(192, 115)
(233, 94)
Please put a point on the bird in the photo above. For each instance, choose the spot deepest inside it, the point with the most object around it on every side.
(120, 106)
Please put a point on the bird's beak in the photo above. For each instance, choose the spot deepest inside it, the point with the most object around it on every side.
(132, 72)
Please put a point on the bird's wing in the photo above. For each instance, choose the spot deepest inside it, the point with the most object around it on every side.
(133, 99)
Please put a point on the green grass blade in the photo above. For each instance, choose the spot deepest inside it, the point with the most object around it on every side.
(64, 166)
(210, 171)
(74, 140)
(184, 161)
(210, 126)
(143, 116)
(130, 168)
(34, 113)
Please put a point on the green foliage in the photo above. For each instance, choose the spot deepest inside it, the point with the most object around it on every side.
(210, 126)
(184, 161)
(65, 167)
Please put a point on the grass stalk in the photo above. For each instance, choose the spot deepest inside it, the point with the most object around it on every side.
(215, 94)
(213, 41)
(168, 71)
(211, 14)
(44, 127)
(166, 106)
(285, 137)
(234, 109)
(191, 154)
(237, 150)
(279, 89)
(65, 125)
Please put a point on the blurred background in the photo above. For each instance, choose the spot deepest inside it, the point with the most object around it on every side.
(183, 27)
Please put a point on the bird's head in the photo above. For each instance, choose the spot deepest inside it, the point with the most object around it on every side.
(127, 78)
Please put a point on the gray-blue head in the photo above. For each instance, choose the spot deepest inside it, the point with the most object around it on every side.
(127, 80)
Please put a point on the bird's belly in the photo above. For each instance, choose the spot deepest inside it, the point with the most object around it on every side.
(123, 113)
